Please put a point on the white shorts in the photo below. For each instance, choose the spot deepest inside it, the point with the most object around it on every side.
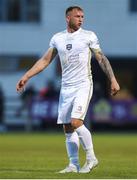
(74, 102)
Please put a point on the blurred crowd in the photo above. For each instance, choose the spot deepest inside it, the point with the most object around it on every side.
(50, 92)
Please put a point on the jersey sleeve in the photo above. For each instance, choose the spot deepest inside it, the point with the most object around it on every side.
(94, 42)
(52, 42)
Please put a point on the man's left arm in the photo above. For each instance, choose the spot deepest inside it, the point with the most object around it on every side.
(107, 69)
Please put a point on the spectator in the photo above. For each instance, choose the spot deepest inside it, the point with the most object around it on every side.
(26, 98)
(49, 91)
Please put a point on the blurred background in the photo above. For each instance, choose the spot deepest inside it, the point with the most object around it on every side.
(26, 27)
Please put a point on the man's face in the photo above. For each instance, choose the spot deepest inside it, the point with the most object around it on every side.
(75, 19)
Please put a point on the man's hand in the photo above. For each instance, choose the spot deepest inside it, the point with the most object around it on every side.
(21, 84)
(114, 87)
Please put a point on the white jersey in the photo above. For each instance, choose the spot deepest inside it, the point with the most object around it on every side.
(74, 50)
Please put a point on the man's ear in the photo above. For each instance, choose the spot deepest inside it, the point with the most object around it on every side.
(67, 18)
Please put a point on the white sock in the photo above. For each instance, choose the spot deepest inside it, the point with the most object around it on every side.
(86, 141)
(72, 146)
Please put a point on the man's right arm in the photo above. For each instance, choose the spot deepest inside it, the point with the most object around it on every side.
(39, 66)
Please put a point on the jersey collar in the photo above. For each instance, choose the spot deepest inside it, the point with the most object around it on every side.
(74, 32)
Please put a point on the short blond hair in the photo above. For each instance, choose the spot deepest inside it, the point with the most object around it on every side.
(69, 9)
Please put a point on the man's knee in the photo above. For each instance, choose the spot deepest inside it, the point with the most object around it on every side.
(68, 128)
(75, 123)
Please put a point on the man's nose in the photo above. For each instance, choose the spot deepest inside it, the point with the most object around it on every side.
(81, 19)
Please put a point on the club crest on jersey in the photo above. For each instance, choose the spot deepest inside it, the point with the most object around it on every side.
(69, 46)
(79, 108)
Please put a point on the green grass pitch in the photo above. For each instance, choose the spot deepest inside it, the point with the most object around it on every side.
(36, 156)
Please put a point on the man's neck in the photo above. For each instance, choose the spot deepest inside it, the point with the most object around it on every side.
(70, 30)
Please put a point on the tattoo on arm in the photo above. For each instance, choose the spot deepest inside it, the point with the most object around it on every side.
(105, 65)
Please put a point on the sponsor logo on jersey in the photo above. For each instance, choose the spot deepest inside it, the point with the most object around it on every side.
(69, 46)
